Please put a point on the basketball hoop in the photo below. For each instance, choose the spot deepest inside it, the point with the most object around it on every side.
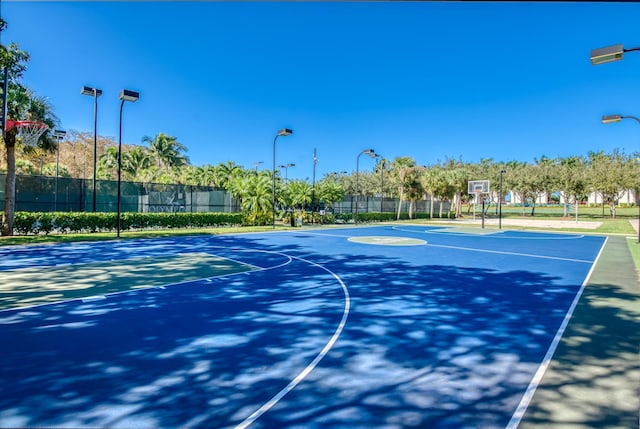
(28, 131)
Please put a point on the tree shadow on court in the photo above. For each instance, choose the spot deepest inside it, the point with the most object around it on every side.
(594, 378)
(424, 345)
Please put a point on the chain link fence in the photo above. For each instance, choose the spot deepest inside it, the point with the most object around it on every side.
(62, 194)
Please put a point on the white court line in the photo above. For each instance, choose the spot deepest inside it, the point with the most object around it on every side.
(497, 234)
(307, 370)
(527, 255)
(544, 365)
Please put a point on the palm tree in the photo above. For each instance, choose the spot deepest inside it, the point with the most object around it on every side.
(299, 192)
(401, 168)
(166, 151)
(108, 163)
(23, 104)
(135, 162)
(256, 202)
(225, 173)
(328, 191)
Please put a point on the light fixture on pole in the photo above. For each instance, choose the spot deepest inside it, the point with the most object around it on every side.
(285, 167)
(282, 132)
(59, 135)
(95, 93)
(132, 96)
(371, 153)
(609, 54)
(313, 184)
(502, 171)
(257, 163)
(606, 55)
(609, 119)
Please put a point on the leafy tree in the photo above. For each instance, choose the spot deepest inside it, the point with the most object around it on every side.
(430, 178)
(572, 179)
(401, 170)
(611, 174)
(26, 167)
(414, 189)
(457, 175)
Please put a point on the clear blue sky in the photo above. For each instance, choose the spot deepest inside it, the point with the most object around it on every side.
(431, 80)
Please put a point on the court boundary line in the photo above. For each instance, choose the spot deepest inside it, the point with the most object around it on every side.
(312, 365)
(526, 255)
(497, 234)
(524, 403)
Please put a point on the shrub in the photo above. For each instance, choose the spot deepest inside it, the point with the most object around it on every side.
(26, 223)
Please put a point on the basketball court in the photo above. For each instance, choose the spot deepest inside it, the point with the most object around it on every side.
(386, 326)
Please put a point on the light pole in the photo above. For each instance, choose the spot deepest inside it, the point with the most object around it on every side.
(285, 167)
(282, 132)
(371, 153)
(95, 93)
(257, 163)
(500, 201)
(383, 165)
(132, 96)
(59, 135)
(609, 119)
(313, 184)
(605, 55)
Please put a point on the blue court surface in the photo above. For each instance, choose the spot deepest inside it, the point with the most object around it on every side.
(375, 327)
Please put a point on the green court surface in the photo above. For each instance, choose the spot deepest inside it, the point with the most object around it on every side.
(593, 379)
(34, 286)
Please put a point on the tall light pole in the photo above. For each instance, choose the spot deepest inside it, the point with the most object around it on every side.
(313, 184)
(282, 132)
(95, 93)
(609, 119)
(500, 201)
(285, 167)
(59, 135)
(383, 165)
(369, 152)
(605, 55)
(132, 96)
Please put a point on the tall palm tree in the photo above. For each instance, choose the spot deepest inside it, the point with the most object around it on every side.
(167, 151)
(23, 104)
(401, 168)
(108, 163)
(328, 191)
(226, 173)
(135, 162)
(256, 201)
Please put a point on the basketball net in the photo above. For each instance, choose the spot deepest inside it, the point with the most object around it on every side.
(28, 132)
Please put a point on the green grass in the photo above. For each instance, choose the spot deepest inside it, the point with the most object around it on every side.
(634, 248)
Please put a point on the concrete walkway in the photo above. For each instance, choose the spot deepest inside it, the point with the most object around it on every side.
(594, 378)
